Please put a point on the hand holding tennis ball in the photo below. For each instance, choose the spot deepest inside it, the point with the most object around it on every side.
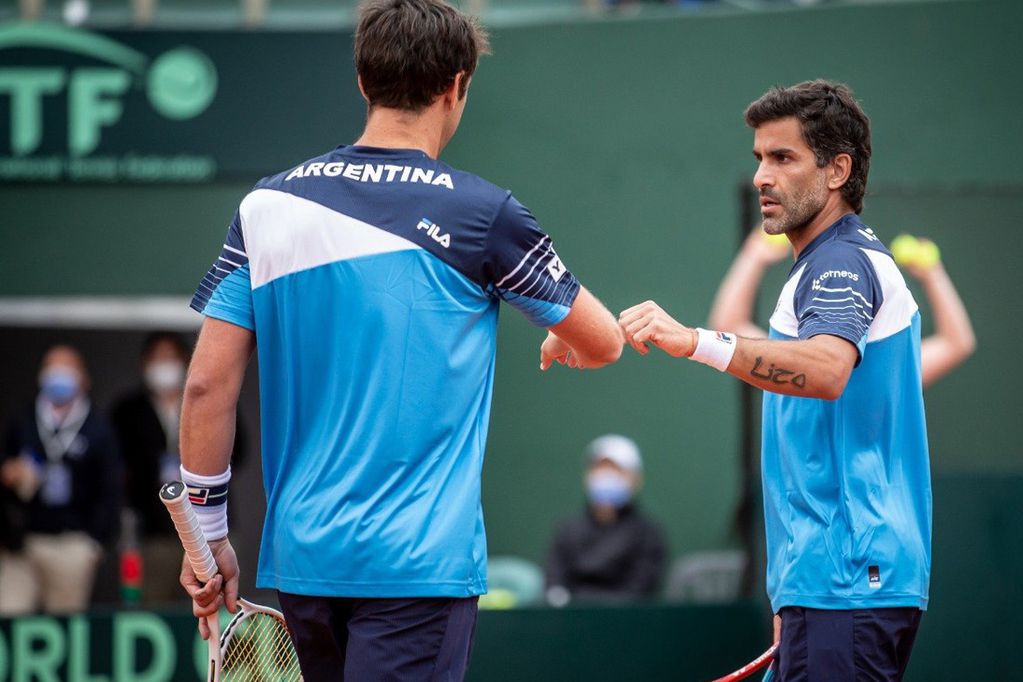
(911, 252)
(768, 249)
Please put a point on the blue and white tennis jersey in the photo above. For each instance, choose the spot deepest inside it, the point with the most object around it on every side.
(847, 489)
(371, 278)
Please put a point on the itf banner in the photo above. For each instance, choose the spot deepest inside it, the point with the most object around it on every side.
(151, 106)
(130, 646)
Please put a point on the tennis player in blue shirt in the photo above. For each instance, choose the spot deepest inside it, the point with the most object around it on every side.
(369, 279)
(846, 477)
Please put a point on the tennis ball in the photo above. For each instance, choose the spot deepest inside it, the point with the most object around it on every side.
(498, 599)
(775, 239)
(905, 249)
(927, 254)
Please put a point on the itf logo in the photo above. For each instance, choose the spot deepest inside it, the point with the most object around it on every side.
(93, 84)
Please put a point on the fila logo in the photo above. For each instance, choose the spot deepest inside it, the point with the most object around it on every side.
(869, 234)
(433, 229)
(556, 267)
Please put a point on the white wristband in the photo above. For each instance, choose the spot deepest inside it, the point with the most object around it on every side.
(208, 495)
(714, 348)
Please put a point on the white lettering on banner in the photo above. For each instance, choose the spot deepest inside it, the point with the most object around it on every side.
(371, 172)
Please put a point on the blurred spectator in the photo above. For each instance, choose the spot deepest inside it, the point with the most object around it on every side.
(146, 421)
(951, 344)
(62, 476)
(610, 552)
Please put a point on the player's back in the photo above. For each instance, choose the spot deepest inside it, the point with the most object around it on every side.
(375, 276)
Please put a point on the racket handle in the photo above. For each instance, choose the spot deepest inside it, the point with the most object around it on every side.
(174, 496)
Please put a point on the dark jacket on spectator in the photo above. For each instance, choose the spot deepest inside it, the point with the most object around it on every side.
(93, 467)
(609, 562)
(143, 443)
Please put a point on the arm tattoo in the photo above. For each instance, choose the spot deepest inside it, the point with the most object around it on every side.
(777, 375)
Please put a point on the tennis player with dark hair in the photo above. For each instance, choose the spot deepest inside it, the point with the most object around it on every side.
(369, 278)
(846, 475)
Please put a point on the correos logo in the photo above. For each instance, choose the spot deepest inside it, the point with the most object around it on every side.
(179, 84)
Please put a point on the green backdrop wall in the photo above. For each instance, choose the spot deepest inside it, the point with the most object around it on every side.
(625, 137)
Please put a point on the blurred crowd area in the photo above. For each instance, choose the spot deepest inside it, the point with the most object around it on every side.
(81, 525)
(78, 480)
(259, 13)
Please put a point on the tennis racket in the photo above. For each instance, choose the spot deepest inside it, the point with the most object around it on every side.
(758, 663)
(255, 646)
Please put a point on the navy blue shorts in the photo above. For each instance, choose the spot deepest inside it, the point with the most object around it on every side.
(868, 645)
(383, 640)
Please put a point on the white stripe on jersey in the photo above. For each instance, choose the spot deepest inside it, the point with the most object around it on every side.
(899, 306)
(285, 233)
(522, 262)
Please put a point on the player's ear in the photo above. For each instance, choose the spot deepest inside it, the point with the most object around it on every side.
(456, 91)
(362, 90)
(839, 170)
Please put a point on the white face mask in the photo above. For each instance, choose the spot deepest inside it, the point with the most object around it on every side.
(165, 375)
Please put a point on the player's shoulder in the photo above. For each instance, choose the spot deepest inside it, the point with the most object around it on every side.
(473, 186)
(847, 242)
(852, 235)
(299, 170)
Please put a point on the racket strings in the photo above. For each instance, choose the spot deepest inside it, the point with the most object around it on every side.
(260, 650)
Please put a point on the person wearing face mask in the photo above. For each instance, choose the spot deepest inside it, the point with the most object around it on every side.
(60, 463)
(146, 422)
(611, 551)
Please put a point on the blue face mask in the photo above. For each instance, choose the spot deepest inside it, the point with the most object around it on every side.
(609, 489)
(59, 385)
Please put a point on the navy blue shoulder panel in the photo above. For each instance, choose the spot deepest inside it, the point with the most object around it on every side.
(403, 191)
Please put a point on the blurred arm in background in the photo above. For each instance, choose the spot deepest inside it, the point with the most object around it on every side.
(953, 340)
(732, 310)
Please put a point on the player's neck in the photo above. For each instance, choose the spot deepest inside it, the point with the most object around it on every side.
(833, 210)
(399, 129)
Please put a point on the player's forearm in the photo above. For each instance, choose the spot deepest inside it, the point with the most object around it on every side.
(810, 369)
(606, 349)
(209, 407)
(733, 304)
(208, 415)
(591, 331)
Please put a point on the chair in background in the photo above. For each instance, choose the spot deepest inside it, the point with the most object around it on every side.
(706, 577)
(513, 582)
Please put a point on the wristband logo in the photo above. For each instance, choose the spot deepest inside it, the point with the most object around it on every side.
(94, 78)
(201, 496)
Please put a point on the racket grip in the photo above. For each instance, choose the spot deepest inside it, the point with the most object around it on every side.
(174, 496)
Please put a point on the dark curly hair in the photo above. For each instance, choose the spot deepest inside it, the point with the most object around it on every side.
(832, 122)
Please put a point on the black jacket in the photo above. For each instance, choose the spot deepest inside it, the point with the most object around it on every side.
(93, 467)
(143, 443)
(613, 562)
